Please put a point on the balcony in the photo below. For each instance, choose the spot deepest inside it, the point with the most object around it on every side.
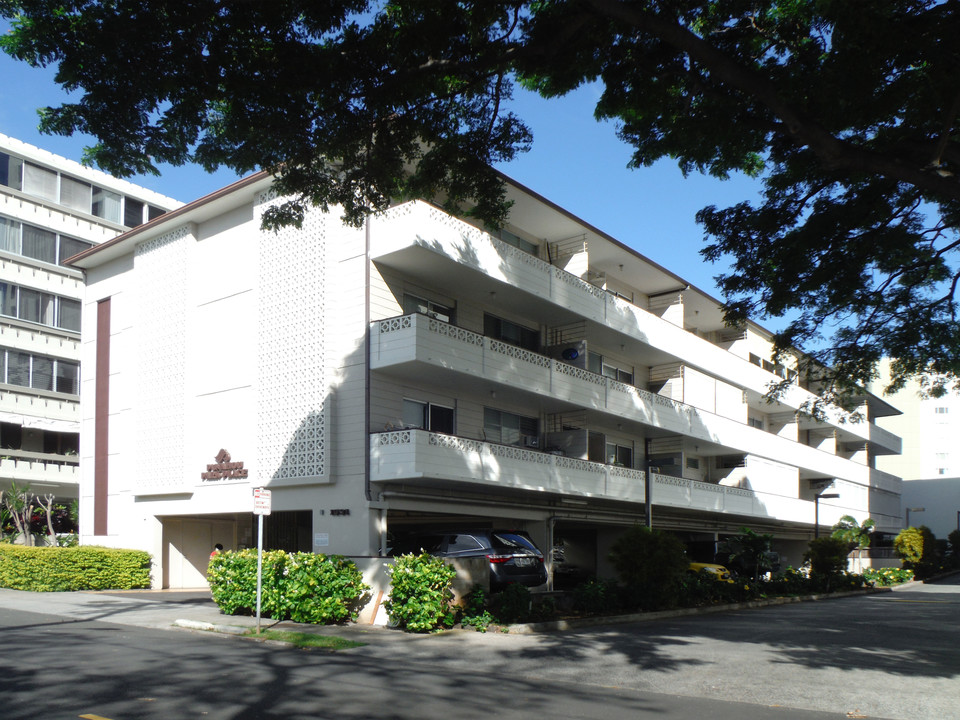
(417, 347)
(39, 469)
(428, 459)
(427, 244)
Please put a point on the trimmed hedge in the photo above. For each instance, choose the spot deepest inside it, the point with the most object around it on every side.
(63, 569)
(303, 587)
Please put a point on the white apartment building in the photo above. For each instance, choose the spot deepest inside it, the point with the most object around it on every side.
(423, 371)
(930, 461)
(50, 208)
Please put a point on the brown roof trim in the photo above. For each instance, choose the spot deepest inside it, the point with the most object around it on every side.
(168, 216)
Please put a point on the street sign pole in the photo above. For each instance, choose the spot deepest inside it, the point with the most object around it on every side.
(261, 507)
(259, 566)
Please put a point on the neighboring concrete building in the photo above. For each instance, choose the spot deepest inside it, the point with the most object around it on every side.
(421, 371)
(930, 463)
(50, 208)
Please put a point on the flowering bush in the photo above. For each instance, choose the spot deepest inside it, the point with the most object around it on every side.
(884, 577)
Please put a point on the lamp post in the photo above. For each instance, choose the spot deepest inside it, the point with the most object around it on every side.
(910, 510)
(816, 511)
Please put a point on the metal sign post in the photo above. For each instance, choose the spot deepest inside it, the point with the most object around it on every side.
(261, 507)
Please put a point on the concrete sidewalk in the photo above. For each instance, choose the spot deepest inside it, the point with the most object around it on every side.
(168, 609)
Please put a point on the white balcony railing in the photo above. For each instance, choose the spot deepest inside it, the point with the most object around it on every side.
(421, 457)
(37, 471)
(439, 346)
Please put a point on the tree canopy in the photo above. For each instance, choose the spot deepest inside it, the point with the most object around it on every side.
(847, 111)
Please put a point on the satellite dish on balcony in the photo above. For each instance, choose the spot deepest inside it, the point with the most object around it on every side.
(570, 354)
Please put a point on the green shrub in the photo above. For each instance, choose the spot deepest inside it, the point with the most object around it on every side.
(597, 597)
(303, 587)
(651, 565)
(512, 604)
(475, 613)
(60, 569)
(421, 593)
(828, 562)
(788, 583)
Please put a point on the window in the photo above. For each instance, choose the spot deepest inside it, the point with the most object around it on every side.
(105, 204)
(154, 212)
(462, 543)
(518, 242)
(942, 410)
(413, 304)
(39, 244)
(132, 212)
(755, 359)
(693, 463)
(68, 377)
(36, 243)
(619, 455)
(11, 171)
(39, 307)
(70, 247)
(508, 428)
(428, 416)
(75, 194)
(511, 332)
(39, 372)
(40, 182)
(598, 364)
(755, 423)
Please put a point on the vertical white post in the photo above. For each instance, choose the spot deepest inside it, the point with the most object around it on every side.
(259, 567)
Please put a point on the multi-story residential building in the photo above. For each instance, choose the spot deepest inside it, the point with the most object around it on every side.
(50, 208)
(930, 461)
(423, 371)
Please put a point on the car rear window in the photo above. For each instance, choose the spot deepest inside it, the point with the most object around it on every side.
(459, 543)
(511, 541)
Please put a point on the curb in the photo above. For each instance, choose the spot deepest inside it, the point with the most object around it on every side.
(211, 627)
(576, 623)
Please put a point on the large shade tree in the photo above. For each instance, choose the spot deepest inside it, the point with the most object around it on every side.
(846, 110)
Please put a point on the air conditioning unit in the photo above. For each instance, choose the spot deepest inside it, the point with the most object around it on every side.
(531, 441)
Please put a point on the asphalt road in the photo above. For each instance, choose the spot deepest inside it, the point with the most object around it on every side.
(892, 655)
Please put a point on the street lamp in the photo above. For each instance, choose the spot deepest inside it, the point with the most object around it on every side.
(910, 510)
(816, 511)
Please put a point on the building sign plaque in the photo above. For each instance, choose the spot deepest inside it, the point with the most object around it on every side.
(224, 469)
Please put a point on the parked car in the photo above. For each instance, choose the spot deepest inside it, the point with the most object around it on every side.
(718, 572)
(513, 556)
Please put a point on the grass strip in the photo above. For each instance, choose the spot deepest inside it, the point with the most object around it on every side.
(304, 640)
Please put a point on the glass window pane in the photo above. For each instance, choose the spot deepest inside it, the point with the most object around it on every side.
(491, 425)
(154, 212)
(42, 373)
(8, 299)
(70, 247)
(18, 369)
(68, 377)
(69, 314)
(106, 204)
(40, 182)
(29, 306)
(75, 194)
(39, 244)
(414, 414)
(132, 212)
(9, 235)
(11, 171)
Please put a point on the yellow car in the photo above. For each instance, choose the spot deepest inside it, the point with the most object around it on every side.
(719, 572)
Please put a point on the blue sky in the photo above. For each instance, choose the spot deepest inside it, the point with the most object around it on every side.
(575, 162)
